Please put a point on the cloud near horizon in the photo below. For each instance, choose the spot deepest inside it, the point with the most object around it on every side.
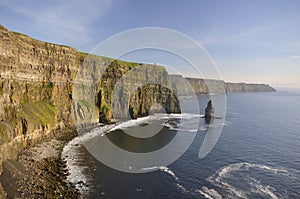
(295, 57)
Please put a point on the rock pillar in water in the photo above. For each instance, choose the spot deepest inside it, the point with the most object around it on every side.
(209, 112)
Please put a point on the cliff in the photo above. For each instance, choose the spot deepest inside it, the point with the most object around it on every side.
(209, 86)
(34, 86)
(135, 89)
(45, 88)
(243, 87)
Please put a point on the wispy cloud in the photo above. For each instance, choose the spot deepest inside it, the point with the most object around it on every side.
(70, 20)
(217, 36)
(295, 57)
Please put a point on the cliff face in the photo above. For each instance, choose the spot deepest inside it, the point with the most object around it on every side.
(106, 90)
(34, 84)
(242, 87)
(208, 86)
(135, 91)
(46, 87)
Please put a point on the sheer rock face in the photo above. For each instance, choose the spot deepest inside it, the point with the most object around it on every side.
(34, 85)
(45, 87)
(134, 91)
(148, 96)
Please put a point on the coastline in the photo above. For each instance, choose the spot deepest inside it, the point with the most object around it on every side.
(70, 152)
(39, 171)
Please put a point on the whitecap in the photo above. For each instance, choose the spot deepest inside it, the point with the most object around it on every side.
(138, 189)
(209, 193)
(240, 180)
(131, 123)
(186, 120)
(259, 188)
(171, 173)
(182, 188)
(161, 168)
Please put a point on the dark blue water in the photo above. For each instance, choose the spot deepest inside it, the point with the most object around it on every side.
(256, 156)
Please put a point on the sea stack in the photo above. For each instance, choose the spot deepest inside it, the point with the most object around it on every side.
(209, 112)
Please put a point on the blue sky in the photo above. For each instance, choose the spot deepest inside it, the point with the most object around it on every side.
(250, 41)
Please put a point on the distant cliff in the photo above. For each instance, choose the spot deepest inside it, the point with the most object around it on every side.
(209, 86)
(46, 87)
(242, 87)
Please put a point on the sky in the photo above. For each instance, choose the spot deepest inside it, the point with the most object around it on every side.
(249, 41)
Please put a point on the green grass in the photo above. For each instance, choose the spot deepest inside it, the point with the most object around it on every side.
(86, 104)
(82, 55)
(39, 113)
(5, 131)
(130, 65)
(119, 63)
(105, 108)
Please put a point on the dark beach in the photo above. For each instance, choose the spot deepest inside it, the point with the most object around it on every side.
(39, 171)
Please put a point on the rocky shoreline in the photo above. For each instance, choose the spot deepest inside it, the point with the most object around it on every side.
(39, 171)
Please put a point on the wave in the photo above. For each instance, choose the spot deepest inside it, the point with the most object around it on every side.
(232, 181)
(225, 171)
(131, 123)
(266, 190)
(209, 193)
(74, 158)
(188, 128)
(171, 173)
(242, 180)
(167, 120)
(161, 168)
(182, 188)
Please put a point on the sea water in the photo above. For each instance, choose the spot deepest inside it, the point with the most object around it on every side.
(256, 156)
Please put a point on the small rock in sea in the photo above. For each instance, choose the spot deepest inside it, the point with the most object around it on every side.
(209, 112)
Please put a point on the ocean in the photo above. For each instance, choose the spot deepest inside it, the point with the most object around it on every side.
(256, 156)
